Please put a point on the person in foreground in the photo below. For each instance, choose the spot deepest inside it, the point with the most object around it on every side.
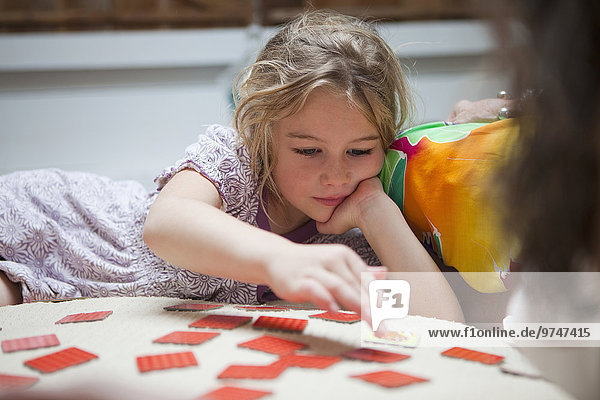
(263, 211)
(554, 178)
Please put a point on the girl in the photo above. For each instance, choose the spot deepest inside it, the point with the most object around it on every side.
(260, 212)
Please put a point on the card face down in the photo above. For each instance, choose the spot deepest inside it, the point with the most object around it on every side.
(60, 360)
(166, 361)
(344, 317)
(84, 317)
(380, 356)
(308, 361)
(193, 307)
(29, 343)
(215, 321)
(280, 324)
(390, 379)
(271, 371)
(234, 393)
(261, 308)
(273, 345)
(183, 337)
(15, 382)
(473, 355)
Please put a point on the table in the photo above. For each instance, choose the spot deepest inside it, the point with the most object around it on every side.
(135, 322)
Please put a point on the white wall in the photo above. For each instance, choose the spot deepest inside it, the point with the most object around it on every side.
(125, 104)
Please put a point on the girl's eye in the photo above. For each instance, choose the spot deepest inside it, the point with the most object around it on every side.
(357, 152)
(306, 152)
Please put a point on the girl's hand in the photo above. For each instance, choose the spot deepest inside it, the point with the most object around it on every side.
(351, 212)
(327, 275)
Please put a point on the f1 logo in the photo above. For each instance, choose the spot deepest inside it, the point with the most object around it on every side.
(388, 299)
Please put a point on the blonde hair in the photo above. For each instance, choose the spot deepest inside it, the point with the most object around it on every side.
(318, 49)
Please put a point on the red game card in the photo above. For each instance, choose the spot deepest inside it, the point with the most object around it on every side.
(280, 324)
(193, 307)
(166, 361)
(14, 382)
(273, 345)
(261, 308)
(375, 355)
(84, 317)
(216, 321)
(301, 307)
(252, 371)
(390, 379)
(472, 355)
(60, 360)
(29, 343)
(345, 317)
(234, 393)
(308, 361)
(182, 337)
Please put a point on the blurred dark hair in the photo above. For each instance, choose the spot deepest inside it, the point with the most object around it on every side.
(551, 186)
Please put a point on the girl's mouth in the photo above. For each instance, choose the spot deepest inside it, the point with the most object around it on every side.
(330, 201)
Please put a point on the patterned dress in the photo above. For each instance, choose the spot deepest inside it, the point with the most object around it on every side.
(73, 234)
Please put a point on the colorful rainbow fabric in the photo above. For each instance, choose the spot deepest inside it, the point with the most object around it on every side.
(442, 178)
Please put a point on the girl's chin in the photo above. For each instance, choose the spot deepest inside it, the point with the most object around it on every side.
(321, 217)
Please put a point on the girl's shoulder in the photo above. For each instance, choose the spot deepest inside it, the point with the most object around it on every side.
(223, 138)
(220, 131)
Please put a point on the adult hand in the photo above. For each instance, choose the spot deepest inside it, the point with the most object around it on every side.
(485, 110)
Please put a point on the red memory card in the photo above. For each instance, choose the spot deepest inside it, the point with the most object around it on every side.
(182, 337)
(390, 379)
(280, 324)
(472, 355)
(308, 361)
(252, 371)
(345, 317)
(14, 382)
(84, 317)
(234, 393)
(273, 345)
(375, 355)
(216, 321)
(60, 360)
(166, 361)
(193, 307)
(29, 343)
(261, 308)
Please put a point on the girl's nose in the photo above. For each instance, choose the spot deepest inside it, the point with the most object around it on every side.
(335, 173)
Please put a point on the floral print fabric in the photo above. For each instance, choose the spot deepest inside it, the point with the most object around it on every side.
(73, 234)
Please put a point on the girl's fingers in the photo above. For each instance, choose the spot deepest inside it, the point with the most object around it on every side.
(347, 295)
(358, 268)
(311, 290)
(345, 272)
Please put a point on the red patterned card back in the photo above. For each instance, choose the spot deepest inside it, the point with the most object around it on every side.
(61, 359)
(273, 345)
(215, 321)
(29, 343)
(166, 361)
(472, 355)
(84, 317)
(280, 324)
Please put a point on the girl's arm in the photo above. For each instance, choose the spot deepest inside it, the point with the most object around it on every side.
(186, 227)
(386, 230)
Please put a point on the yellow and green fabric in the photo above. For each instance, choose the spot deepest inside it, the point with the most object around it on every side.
(442, 178)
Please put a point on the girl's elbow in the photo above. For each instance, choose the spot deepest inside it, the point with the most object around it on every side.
(151, 232)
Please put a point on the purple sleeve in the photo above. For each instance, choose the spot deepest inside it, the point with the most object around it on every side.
(221, 159)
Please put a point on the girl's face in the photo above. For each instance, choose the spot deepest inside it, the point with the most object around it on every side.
(322, 153)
